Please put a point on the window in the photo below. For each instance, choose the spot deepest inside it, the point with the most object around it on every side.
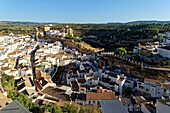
(164, 90)
(89, 102)
(141, 87)
(98, 103)
(133, 109)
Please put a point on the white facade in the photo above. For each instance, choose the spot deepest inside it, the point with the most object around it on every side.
(164, 52)
(152, 88)
(136, 50)
(167, 41)
(167, 34)
(120, 81)
(94, 102)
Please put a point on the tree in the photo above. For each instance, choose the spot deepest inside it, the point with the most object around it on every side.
(77, 40)
(155, 38)
(155, 31)
(69, 36)
(53, 108)
(161, 38)
(128, 30)
(24, 100)
(128, 90)
(8, 82)
(121, 51)
(89, 109)
(136, 57)
(33, 107)
(92, 109)
(71, 108)
(82, 109)
(60, 36)
(165, 63)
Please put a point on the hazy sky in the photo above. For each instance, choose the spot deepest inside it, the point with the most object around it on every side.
(84, 11)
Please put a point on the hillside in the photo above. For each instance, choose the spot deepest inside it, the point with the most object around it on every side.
(134, 69)
(80, 46)
(142, 22)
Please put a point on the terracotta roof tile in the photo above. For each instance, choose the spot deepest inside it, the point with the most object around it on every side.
(165, 86)
(95, 77)
(5, 68)
(152, 80)
(100, 96)
(81, 80)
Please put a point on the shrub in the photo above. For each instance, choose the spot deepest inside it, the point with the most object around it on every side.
(121, 51)
(8, 82)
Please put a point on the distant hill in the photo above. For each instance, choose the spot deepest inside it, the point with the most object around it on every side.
(149, 22)
(118, 23)
(3, 23)
(142, 22)
(23, 23)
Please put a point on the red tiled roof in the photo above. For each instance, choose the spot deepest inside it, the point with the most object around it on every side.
(165, 86)
(81, 80)
(152, 80)
(95, 77)
(5, 68)
(100, 96)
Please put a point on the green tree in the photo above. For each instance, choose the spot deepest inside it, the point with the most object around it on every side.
(83, 109)
(60, 36)
(77, 40)
(89, 109)
(161, 38)
(34, 107)
(92, 109)
(155, 31)
(43, 108)
(128, 30)
(121, 51)
(69, 36)
(136, 57)
(8, 82)
(71, 108)
(165, 63)
(24, 100)
(53, 108)
(155, 38)
(128, 90)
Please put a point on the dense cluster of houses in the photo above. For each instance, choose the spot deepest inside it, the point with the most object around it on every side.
(152, 49)
(47, 30)
(82, 80)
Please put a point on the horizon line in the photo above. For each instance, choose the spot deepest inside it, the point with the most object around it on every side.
(123, 22)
